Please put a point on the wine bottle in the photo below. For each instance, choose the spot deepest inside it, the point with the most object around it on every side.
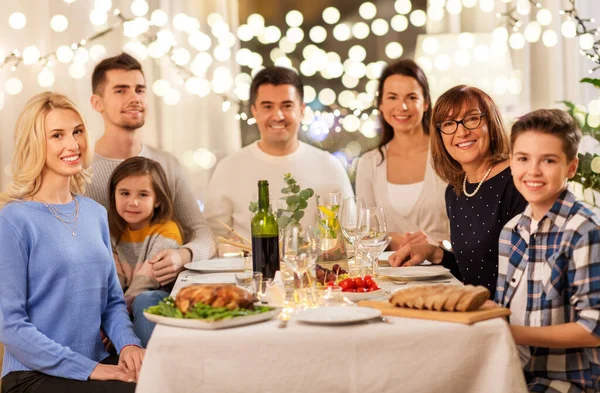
(265, 235)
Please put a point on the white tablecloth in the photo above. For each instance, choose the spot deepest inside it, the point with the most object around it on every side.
(408, 355)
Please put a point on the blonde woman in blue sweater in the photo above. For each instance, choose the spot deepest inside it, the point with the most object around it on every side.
(59, 283)
(142, 223)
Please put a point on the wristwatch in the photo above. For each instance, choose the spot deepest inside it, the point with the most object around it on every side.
(446, 245)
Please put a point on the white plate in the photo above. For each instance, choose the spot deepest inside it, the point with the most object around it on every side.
(336, 315)
(385, 256)
(214, 278)
(217, 265)
(412, 272)
(211, 325)
(358, 296)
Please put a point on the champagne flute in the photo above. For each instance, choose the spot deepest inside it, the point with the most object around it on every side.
(300, 250)
(352, 220)
(376, 238)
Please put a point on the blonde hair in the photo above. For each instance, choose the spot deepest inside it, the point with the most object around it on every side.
(29, 157)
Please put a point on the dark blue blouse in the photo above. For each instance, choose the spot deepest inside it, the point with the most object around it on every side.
(475, 225)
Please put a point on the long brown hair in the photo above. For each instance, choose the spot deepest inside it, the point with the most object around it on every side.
(451, 103)
(405, 67)
(139, 166)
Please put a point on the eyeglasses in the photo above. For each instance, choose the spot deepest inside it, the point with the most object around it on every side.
(470, 122)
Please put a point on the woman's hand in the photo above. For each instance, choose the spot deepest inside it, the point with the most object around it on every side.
(400, 239)
(107, 372)
(131, 358)
(411, 255)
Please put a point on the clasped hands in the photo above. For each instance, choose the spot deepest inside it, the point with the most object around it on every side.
(128, 369)
(163, 267)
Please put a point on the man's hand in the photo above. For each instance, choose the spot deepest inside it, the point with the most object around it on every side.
(167, 264)
(107, 372)
(411, 255)
(130, 359)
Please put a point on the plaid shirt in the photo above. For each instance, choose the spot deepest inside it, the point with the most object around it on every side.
(563, 285)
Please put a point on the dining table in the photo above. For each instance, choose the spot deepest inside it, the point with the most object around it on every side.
(395, 355)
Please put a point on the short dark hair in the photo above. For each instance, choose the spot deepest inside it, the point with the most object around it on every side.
(276, 76)
(121, 62)
(405, 67)
(553, 122)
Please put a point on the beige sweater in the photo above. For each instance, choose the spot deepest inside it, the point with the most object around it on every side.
(427, 215)
(186, 207)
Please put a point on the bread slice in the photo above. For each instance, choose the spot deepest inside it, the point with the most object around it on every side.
(432, 293)
(440, 298)
(473, 298)
(400, 297)
(453, 299)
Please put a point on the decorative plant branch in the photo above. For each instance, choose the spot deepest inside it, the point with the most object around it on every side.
(296, 200)
(588, 171)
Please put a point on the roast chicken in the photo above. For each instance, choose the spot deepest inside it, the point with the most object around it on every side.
(218, 295)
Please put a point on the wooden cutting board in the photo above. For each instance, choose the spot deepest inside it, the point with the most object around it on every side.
(466, 317)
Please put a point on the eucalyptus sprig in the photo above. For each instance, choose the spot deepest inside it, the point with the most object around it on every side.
(296, 200)
(588, 171)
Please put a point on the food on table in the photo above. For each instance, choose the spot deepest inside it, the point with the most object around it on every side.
(441, 297)
(226, 301)
(220, 295)
(325, 275)
(358, 284)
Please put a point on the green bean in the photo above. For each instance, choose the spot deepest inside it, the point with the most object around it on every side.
(167, 308)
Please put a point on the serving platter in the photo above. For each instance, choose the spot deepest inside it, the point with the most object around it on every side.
(213, 325)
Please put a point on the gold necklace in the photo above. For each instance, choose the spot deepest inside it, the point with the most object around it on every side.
(478, 187)
(56, 213)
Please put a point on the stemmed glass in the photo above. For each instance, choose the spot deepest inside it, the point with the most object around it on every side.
(352, 220)
(300, 250)
(375, 238)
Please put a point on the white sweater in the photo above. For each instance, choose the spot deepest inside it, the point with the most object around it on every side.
(234, 184)
(429, 212)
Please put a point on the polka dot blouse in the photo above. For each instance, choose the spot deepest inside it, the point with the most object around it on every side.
(475, 225)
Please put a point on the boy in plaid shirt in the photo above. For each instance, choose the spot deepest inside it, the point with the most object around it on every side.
(549, 265)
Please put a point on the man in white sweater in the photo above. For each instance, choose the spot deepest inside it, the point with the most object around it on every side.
(119, 95)
(277, 103)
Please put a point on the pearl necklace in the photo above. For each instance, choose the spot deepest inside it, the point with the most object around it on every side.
(478, 187)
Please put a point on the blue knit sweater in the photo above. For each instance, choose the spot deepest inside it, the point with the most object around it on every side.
(57, 291)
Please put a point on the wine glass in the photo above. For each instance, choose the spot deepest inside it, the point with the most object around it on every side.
(352, 220)
(300, 250)
(375, 238)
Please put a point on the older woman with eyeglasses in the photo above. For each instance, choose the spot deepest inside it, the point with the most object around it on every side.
(470, 150)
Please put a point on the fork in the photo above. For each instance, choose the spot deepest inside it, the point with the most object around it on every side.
(422, 282)
(384, 320)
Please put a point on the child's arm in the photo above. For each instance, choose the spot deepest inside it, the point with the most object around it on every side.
(166, 237)
(123, 278)
(566, 335)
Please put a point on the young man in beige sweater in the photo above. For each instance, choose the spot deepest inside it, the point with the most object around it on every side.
(119, 95)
